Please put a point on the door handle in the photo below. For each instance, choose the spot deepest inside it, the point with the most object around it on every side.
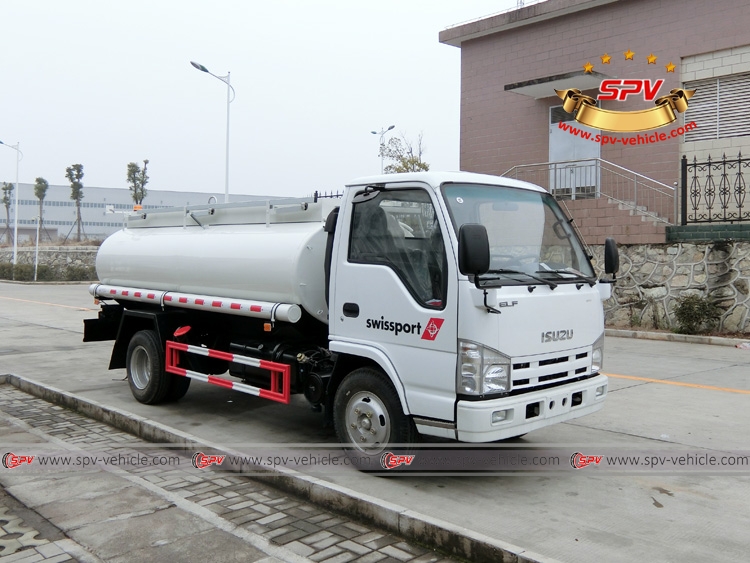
(351, 310)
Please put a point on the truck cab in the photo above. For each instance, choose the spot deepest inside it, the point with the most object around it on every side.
(474, 356)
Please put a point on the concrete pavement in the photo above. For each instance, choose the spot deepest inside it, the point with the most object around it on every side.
(170, 512)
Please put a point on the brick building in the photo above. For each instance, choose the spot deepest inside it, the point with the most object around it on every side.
(510, 115)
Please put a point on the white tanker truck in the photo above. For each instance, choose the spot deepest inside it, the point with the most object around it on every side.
(455, 305)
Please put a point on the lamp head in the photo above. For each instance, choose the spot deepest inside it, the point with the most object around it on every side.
(199, 66)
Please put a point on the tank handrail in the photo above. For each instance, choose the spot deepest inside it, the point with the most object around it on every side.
(280, 202)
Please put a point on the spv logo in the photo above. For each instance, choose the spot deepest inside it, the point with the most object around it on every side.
(390, 460)
(620, 89)
(201, 460)
(11, 460)
(663, 112)
(579, 461)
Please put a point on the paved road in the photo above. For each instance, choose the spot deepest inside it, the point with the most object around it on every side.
(134, 511)
(663, 396)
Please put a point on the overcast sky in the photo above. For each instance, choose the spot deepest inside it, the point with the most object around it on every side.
(104, 83)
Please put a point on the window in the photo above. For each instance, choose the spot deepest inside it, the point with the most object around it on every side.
(719, 107)
(399, 229)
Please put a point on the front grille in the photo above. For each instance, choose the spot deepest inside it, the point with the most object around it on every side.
(530, 372)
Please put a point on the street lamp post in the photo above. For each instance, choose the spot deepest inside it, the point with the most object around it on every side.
(19, 155)
(225, 80)
(36, 251)
(382, 133)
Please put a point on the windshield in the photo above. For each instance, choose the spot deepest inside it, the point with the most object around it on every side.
(530, 237)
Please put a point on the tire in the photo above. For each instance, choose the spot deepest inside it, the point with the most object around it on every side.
(149, 382)
(368, 416)
(178, 386)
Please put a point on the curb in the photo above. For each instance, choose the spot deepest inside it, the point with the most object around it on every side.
(450, 538)
(674, 337)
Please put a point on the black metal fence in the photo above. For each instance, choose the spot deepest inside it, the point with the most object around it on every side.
(714, 191)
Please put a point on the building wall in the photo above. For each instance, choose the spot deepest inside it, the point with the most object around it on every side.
(501, 129)
(710, 65)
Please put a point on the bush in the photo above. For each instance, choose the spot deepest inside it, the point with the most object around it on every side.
(45, 273)
(25, 272)
(696, 314)
(80, 273)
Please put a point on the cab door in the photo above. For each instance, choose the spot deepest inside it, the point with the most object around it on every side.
(393, 294)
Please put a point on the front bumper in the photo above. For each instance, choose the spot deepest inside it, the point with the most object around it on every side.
(529, 411)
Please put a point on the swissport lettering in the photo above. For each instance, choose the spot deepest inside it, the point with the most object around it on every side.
(395, 327)
(430, 333)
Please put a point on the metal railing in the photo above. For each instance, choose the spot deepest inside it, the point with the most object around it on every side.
(714, 191)
(519, 5)
(594, 177)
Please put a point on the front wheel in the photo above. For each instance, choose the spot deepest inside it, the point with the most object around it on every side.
(368, 416)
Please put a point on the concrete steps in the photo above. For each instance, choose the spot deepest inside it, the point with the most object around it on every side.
(600, 218)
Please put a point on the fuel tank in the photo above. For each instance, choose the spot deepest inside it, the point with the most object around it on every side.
(279, 262)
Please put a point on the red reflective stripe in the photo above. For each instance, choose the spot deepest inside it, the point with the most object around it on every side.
(167, 298)
(199, 302)
(151, 296)
(271, 366)
(113, 291)
(220, 382)
(236, 306)
(137, 294)
(216, 304)
(273, 396)
(125, 292)
(179, 346)
(256, 308)
(183, 299)
(178, 371)
(220, 355)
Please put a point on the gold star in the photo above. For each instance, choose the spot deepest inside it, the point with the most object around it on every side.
(652, 59)
(588, 67)
(605, 59)
(670, 67)
(628, 55)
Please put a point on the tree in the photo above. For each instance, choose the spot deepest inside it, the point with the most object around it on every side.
(74, 174)
(40, 191)
(7, 199)
(137, 178)
(406, 156)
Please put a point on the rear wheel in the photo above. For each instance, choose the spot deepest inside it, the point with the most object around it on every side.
(178, 386)
(368, 416)
(144, 363)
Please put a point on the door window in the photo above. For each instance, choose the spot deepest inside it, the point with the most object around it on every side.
(399, 229)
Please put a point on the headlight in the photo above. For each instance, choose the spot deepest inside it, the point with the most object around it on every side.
(481, 370)
(597, 355)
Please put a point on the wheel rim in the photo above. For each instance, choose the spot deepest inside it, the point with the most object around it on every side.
(367, 422)
(140, 367)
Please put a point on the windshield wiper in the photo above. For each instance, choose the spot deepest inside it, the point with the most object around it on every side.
(550, 283)
(569, 271)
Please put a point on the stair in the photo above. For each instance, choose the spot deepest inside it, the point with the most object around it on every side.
(598, 219)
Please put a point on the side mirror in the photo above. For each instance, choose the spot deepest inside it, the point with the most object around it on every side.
(473, 249)
(611, 257)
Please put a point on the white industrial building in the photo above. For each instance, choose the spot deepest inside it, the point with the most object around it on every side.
(101, 210)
